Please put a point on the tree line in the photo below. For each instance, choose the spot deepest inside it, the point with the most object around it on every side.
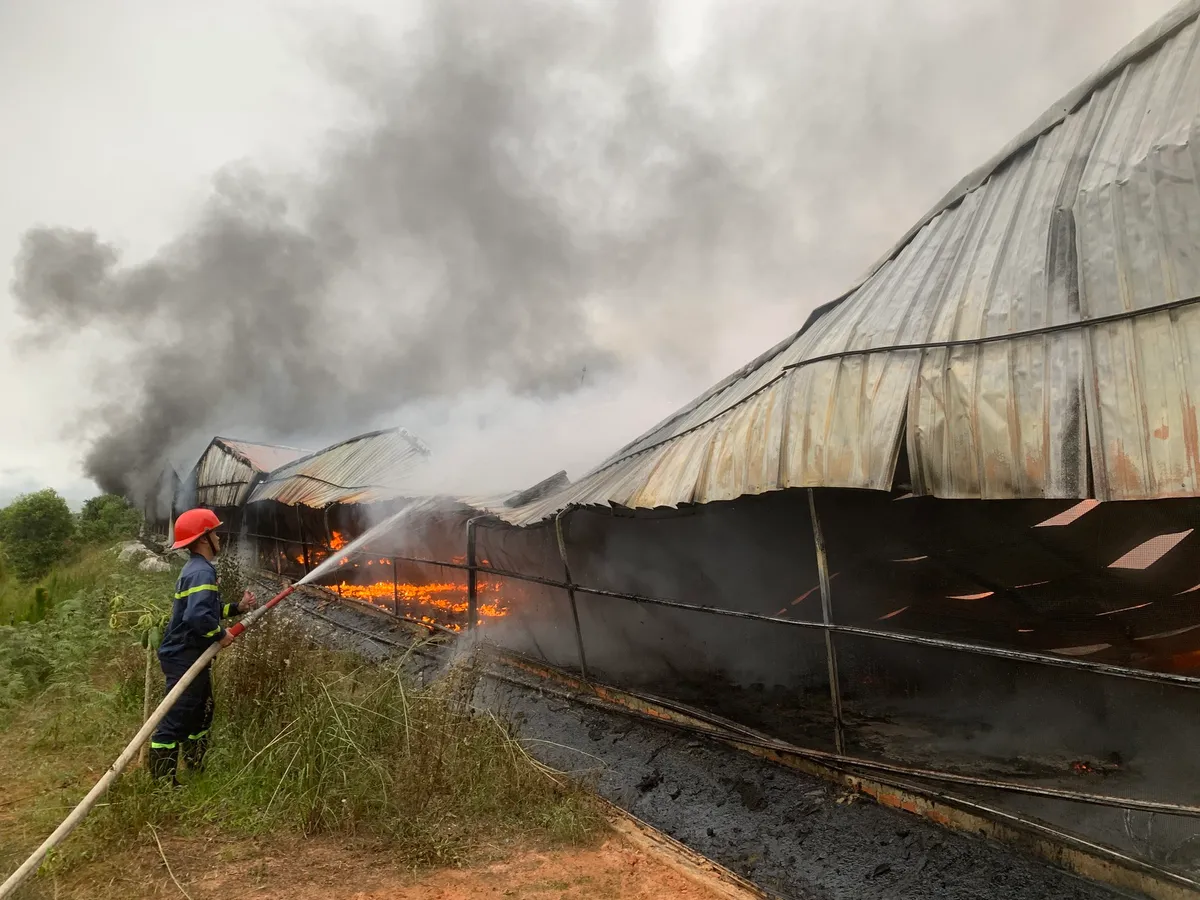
(38, 530)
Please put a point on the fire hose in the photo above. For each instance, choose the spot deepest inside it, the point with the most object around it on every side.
(78, 814)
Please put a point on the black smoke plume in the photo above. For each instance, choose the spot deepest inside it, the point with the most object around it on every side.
(528, 173)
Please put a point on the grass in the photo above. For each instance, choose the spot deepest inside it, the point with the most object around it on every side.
(70, 658)
(18, 600)
(307, 742)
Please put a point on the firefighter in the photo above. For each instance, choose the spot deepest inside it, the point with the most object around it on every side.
(194, 626)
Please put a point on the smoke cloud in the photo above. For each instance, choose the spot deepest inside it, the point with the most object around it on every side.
(539, 195)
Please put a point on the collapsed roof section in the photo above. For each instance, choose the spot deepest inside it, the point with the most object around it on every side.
(370, 468)
(228, 470)
(500, 506)
(503, 504)
(1036, 335)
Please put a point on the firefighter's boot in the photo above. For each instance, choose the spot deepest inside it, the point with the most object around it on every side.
(164, 763)
(194, 751)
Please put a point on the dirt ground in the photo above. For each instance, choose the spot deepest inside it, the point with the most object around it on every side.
(623, 865)
(308, 870)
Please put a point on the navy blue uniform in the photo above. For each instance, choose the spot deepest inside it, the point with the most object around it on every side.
(195, 625)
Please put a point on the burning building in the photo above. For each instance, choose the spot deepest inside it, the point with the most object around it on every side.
(418, 567)
(302, 511)
(944, 532)
(947, 528)
(225, 475)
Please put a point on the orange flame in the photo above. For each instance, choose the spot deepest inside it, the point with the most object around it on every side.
(1186, 663)
(437, 603)
(444, 597)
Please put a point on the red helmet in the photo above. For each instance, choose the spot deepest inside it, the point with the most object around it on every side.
(193, 525)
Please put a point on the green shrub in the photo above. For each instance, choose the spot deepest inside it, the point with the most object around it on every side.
(56, 651)
(108, 518)
(19, 599)
(40, 602)
(36, 531)
(86, 622)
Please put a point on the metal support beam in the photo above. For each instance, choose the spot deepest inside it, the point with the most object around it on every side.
(279, 545)
(304, 556)
(562, 552)
(395, 590)
(1149, 676)
(472, 577)
(835, 687)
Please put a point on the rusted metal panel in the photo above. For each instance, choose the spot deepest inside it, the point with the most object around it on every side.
(228, 469)
(846, 414)
(677, 468)
(1003, 420)
(264, 457)
(1093, 211)
(221, 477)
(744, 449)
(1138, 210)
(365, 469)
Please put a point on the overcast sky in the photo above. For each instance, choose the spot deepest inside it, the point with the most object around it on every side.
(118, 114)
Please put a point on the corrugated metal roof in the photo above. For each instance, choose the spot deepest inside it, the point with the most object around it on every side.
(365, 469)
(1092, 212)
(498, 504)
(265, 457)
(228, 469)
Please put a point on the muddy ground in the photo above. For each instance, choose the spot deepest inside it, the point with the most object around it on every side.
(796, 836)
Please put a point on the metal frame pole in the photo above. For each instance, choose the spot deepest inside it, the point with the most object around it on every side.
(472, 573)
(562, 552)
(395, 590)
(303, 541)
(279, 544)
(252, 518)
(1191, 682)
(835, 687)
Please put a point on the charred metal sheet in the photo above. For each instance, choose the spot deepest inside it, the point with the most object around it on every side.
(1092, 212)
(228, 469)
(1137, 213)
(264, 457)
(366, 469)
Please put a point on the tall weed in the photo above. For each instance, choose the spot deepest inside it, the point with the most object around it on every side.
(314, 741)
(19, 599)
(306, 740)
(73, 651)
